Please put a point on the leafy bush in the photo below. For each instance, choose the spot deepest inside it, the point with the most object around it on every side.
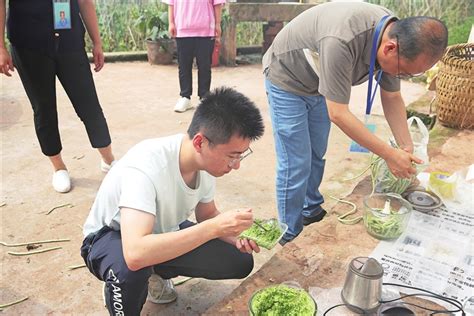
(460, 33)
(124, 25)
(249, 33)
(458, 15)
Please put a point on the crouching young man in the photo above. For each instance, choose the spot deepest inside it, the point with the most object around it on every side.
(137, 229)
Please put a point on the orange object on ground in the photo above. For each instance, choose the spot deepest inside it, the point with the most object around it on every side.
(215, 55)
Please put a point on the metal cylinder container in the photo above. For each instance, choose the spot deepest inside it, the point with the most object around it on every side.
(362, 289)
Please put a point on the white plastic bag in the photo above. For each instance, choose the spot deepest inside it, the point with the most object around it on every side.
(420, 137)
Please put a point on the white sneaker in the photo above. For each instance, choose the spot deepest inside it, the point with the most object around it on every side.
(183, 105)
(161, 291)
(105, 167)
(61, 181)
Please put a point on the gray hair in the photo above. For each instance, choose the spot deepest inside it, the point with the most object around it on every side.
(420, 35)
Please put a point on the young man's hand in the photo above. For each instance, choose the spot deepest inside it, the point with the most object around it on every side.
(232, 223)
(247, 245)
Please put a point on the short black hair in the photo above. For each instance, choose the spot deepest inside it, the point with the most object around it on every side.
(225, 112)
(420, 35)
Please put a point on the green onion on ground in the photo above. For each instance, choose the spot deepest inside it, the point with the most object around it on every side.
(282, 300)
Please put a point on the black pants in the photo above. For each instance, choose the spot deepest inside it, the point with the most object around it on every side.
(127, 290)
(188, 48)
(38, 73)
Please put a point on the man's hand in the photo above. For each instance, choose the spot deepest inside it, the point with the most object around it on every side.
(400, 163)
(6, 63)
(247, 246)
(98, 55)
(407, 148)
(232, 223)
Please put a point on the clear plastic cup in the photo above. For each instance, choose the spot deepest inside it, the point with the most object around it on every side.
(268, 245)
(386, 215)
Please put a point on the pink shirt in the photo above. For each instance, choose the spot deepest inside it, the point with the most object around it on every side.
(194, 18)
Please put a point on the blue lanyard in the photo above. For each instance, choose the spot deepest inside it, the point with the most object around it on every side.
(373, 55)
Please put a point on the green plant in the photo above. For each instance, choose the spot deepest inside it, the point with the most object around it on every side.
(153, 24)
(125, 24)
(460, 33)
(458, 15)
(249, 33)
(225, 19)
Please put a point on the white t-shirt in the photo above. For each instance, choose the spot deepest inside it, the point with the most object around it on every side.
(148, 179)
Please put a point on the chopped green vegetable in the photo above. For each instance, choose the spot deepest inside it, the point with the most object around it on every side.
(385, 226)
(264, 238)
(282, 300)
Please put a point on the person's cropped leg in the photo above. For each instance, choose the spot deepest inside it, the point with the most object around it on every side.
(289, 114)
(126, 290)
(185, 50)
(319, 126)
(107, 157)
(204, 48)
(214, 260)
(75, 75)
(38, 74)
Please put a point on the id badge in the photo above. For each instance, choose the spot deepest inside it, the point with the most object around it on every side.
(62, 14)
(355, 147)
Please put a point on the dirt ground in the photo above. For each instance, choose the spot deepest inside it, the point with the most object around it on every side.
(137, 100)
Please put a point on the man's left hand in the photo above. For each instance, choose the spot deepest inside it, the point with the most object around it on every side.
(247, 246)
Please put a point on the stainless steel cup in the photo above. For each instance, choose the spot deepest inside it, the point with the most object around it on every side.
(362, 289)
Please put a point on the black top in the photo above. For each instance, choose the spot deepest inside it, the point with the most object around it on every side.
(30, 25)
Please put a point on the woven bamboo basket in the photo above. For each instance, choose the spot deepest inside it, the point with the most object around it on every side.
(455, 87)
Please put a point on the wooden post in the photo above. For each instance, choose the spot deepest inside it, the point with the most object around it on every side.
(229, 44)
(252, 12)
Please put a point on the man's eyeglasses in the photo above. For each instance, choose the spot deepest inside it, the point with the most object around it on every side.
(400, 75)
(245, 154)
(233, 162)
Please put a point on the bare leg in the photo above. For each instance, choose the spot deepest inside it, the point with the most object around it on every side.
(106, 153)
(57, 161)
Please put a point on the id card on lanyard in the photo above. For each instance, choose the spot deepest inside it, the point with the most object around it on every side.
(355, 147)
(62, 14)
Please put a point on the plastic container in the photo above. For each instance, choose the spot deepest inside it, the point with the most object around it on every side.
(442, 184)
(283, 229)
(310, 300)
(386, 215)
